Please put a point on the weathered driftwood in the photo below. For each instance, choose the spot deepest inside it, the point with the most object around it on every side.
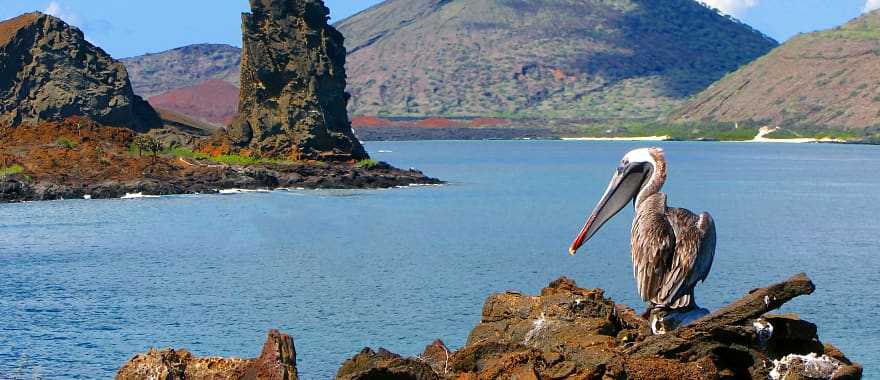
(756, 303)
(753, 305)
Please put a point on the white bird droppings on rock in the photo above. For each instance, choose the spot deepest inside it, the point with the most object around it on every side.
(810, 366)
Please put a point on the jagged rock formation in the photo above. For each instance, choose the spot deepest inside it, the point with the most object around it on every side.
(574, 333)
(568, 332)
(540, 58)
(812, 82)
(157, 73)
(293, 100)
(277, 361)
(48, 72)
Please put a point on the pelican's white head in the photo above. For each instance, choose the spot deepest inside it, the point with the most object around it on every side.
(643, 155)
(635, 170)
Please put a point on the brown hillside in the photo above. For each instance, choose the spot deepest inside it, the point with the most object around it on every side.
(9, 27)
(214, 101)
(539, 58)
(154, 74)
(824, 79)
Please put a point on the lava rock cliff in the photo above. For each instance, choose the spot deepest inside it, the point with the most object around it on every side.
(293, 100)
(48, 72)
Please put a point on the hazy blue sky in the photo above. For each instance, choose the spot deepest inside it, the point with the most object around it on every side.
(127, 27)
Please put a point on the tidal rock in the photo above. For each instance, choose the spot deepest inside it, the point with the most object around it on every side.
(48, 72)
(293, 101)
(382, 364)
(277, 361)
(568, 332)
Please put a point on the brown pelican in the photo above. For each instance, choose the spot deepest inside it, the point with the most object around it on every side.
(672, 248)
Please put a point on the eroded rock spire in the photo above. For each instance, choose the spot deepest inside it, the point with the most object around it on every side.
(293, 100)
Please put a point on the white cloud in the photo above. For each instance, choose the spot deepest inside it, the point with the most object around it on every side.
(871, 5)
(737, 7)
(65, 13)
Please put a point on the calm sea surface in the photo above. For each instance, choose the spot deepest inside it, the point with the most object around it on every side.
(86, 284)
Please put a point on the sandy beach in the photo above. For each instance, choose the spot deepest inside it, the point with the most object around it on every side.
(764, 131)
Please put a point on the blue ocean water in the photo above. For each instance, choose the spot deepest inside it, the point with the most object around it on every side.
(84, 285)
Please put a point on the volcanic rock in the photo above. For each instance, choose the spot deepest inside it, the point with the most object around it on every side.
(276, 361)
(48, 72)
(293, 100)
(384, 365)
(79, 158)
(568, 332)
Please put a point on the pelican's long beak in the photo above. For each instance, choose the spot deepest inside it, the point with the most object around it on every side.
(624, 186)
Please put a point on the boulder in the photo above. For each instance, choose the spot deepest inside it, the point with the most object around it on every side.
(48, 72)
(384, 365)
(293, 101)
(277, 361)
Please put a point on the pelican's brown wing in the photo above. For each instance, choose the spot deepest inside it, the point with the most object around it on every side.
(653, 246)
(694, 253)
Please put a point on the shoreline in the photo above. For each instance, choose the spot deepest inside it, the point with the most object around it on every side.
(228, 180)
(652, 138)
(643, 138)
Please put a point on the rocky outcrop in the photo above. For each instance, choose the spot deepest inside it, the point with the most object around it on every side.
(79, 158)
(568, 332)
(48, 72)
(293, 99)
(277, 361)
(369, 364)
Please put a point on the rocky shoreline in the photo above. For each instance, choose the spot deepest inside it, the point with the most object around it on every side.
(215, 178)
(566, 332)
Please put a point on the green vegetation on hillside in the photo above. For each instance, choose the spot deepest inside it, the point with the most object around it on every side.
(65, 143)
(684, 131)
(367, 164)
(540, 58)
(228, 159)
(10, 170)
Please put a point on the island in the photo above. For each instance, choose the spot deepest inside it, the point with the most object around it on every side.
(72, 127)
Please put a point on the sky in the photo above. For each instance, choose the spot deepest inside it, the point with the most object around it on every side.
(126, 28)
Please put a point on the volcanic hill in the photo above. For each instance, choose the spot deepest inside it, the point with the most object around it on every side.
(542, 58)
(827, 79)
(48, 72)
(213, 101)
(545, 58)
(154, 74)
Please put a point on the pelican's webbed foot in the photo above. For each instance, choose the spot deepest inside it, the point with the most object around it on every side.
(665, 320)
